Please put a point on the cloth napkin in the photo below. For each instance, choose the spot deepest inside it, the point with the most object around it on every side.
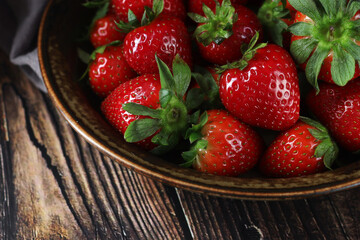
(19, 24)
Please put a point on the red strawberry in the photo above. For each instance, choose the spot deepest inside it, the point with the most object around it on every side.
(166, 37)
(264, 91)
(275, 17)
(121, 8)
(137, 111)
(338, 108)
(223, 145)
(325, 40)
(220, 36)
(143, 90)
(196, 6)
(104, 31)
(304, 149)
(108, 70)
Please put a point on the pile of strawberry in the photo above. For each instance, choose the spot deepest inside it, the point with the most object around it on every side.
(214, 79)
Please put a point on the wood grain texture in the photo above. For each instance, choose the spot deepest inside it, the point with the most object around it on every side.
(54, 185)
(62, 187)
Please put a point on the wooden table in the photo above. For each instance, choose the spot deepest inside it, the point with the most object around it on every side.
(54, 185)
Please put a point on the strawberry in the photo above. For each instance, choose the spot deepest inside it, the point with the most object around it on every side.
(149, 110)
(338, 108)
(304, 149)
(262, 88)
(221, 34)
(196, 6)
(104, 31)
(121, 8)
(223, 145)
(325, 40)
(276, 16)
(165, 36)
(108, 69)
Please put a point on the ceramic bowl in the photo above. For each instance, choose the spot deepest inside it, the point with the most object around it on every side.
(60, 25)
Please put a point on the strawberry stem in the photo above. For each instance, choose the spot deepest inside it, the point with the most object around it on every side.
(215, 27)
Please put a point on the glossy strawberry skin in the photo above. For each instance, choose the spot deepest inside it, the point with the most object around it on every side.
(143, 90)
(233, 147)
(291, 154)
(196, 6)
(266, 93)
(109, 70)
(338, 108)
(166, 37)
(230, 49)
(325, 71)
(104, 31)
(174, 8)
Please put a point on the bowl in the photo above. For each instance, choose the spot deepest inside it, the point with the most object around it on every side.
(57, 48)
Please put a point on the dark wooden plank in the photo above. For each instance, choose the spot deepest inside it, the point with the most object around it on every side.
(63, 187)
(334, 216)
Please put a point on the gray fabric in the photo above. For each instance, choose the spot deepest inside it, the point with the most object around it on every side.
(19, 24)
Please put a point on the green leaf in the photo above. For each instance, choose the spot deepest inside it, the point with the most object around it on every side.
(83, 55)
(189, 158)
(302, 48)
(197, 18)
(331, 7)
(342, 66)
(96, 4)
(314, 64)
(353, 49)
(319, 135)
(165, 95)
(276, 32)
(158, 7)
(302, 29)
(141, 129)
(170, 141)
(194, 98)
(138, 109)
(322, 148)
(182, 76)
(353, 7)
(102, 49)
(331, 155)
(314, 123)
(307, 7)
(166, 78)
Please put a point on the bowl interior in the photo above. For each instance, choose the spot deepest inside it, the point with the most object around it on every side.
(62, 23)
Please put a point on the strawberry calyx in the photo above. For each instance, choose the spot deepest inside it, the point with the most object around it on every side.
(271, 15)
(207, 96)
(329, 30)
(194, 136)
(248, 51)
(170, 121)
(327, 148)
(215, 27)
(149, 15)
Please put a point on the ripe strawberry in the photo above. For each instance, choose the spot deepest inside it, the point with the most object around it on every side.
(304, 149)
(143, 90)
(165, 36)
(108, 69)
(136, 109)
(276, 16)
(223, 145)
(325, 40)
(121, 8)
(196, 6)
(262, 88)
(221, 34)
(104, 31)
(338, 108)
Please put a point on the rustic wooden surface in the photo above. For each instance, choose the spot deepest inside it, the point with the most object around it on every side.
(54, 185)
